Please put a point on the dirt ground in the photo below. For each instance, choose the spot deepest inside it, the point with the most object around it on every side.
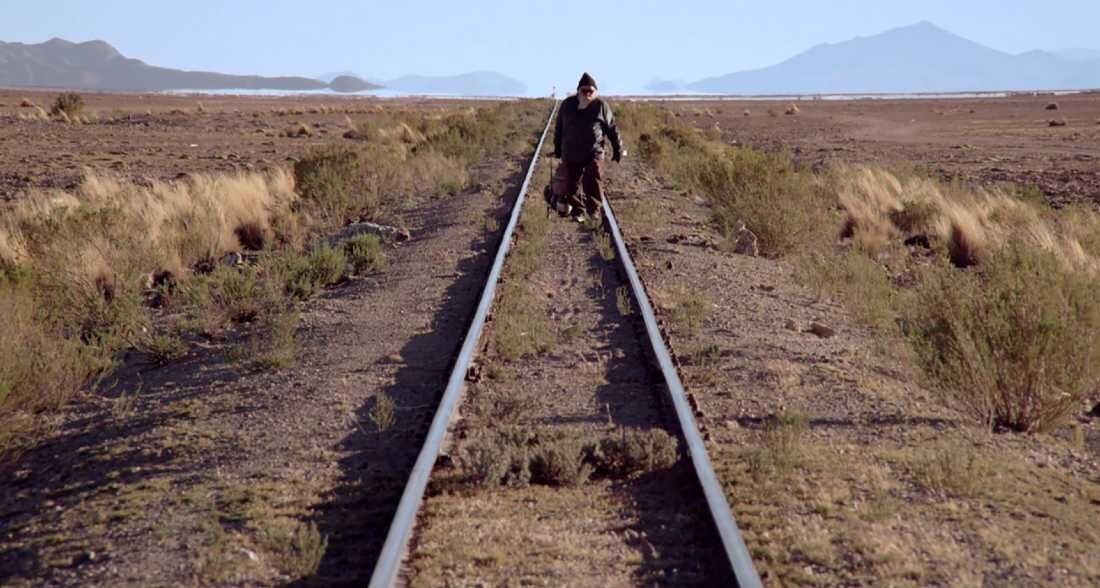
(839, 468)
(160, 136)
(592, 376)
(987, 140)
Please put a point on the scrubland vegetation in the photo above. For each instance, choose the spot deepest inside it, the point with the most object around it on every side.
(117, 265)
(989, 286)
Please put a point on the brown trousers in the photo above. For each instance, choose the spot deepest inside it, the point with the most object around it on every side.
(571, 177)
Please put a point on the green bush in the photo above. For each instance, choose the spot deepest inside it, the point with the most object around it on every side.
(1016, 346)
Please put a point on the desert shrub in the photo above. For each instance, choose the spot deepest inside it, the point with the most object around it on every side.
(326, 179)
(164, 348)
(561, 462)
(365, 254)
(273, 342)
(304, 274)
(629, 452)
(69, 104)
(297, 547)
(228, 295)
(499, 457)
(948, 470)
(854, 278)
(1014, 346)
(41, 366)
(383, 412)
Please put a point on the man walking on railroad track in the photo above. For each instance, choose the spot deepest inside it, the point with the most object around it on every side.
(585, 124)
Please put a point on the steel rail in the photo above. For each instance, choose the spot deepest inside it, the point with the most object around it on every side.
(739, 559)
(397, 538)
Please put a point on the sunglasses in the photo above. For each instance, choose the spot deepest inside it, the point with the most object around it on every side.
(587, 91)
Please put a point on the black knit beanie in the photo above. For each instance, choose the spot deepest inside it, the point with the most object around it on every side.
(587, 80)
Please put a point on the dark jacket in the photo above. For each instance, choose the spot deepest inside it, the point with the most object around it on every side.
(579, 135)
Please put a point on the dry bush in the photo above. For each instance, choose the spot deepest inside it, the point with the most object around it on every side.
(561, 462)
(297, 547)
(41, 366)
(1016, 345)
(69, 105)
(230, 295)
(304, 274)
(516, 455)
(383, 412)
(949, 470)
(326, 179)
(852, 277)
(364, 252)
(630, 452)
(498, 457)
(273, 343)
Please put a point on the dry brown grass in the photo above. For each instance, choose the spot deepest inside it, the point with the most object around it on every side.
(970, 223)
(182, 223)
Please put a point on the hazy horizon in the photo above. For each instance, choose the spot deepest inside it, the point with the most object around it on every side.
(624, 45)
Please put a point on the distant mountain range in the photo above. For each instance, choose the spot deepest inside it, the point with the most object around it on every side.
(917, 58)
(96, 65)
(478, 83)
(1078, 54)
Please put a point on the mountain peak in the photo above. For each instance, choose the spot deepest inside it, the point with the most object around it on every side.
(920, 57)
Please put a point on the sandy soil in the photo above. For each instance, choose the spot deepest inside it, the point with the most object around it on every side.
(160, 136)
(988, 140)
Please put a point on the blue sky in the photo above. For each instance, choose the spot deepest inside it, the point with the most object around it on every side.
(624, 44)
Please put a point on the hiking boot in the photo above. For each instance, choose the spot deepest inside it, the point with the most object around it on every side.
(564, 208)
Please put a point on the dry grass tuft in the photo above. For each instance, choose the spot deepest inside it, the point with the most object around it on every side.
(1016, 346)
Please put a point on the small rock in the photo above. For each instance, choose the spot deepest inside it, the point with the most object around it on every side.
(1059, 122)
(1052, 106)
(233, 259)
(367, 228)
(793, 325)
(746, 243)
(250, 554)
(83, 558)
(821, 330)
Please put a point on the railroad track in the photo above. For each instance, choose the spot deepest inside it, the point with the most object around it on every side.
(735, 557)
